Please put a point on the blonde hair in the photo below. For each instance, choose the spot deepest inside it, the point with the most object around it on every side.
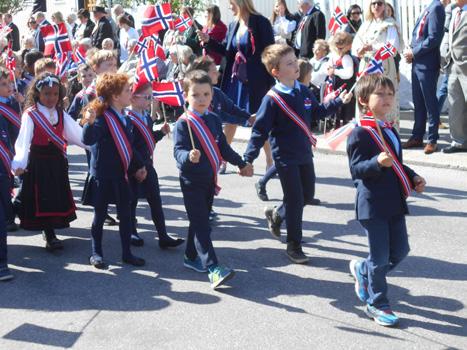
(369, 14)
(340, 38)
(272, 55)
(100, 56)
(43, 64)
(58, 16)
(321, 43)
(246, 6)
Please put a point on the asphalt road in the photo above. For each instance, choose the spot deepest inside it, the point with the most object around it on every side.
(59, 301)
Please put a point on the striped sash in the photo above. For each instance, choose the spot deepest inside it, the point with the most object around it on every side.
(207, 142)
(396, 165)
(5, 156)
(121, 141)
(10, 114)
(42, 123)
(144, 130)
(292, 115)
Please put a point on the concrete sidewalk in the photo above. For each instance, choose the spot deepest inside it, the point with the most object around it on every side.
(412, 156)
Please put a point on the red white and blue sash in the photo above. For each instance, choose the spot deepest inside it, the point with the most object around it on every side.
(10, 114)
(208, 143)
(121, 141)
(144, 130)
(396, 165)
(41, 122)
(5, 156)
(292, 115)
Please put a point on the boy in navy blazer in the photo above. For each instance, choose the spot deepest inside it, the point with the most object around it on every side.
(383, 183)
(291, 141)
(199, 147)
(426, 63)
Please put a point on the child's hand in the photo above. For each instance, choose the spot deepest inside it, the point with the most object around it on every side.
(89, 116)
(140, 174)
(165, 128)
(247, 170)
(252, 119)
(419, 183)
(345, 96)
(18, 97)
(20, 171)
(385, 160)
(194, 156)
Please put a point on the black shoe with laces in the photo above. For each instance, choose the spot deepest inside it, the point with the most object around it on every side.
(295, 253)
(261, 192)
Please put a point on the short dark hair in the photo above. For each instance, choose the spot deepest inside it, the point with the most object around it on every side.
(84, 13)
(32, 57)
(202, 63)
(196, 77)
(124, 19)
(368, 84)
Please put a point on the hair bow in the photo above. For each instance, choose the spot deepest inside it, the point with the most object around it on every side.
(48, 80)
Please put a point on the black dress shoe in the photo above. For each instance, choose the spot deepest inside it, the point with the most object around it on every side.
(169, 242)
(314, 201)
(53, 244)
(136, 240)
(261, 192)
(134, 260)
(12, 227)
(453, 149)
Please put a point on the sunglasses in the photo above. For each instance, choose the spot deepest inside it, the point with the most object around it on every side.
(355, 13)
(146, 97)
(377, 3)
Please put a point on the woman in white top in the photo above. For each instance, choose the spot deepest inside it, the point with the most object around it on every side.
(377, 30)
(282, 23)
(126, 34)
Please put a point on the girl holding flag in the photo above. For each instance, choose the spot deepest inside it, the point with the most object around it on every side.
(45, 200)
(113, 161)
(383, 183)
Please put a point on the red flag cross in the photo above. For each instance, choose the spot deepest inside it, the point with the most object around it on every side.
(182, 23)
(170, 93)
(156, 18)
(337, 21)
(56, 39)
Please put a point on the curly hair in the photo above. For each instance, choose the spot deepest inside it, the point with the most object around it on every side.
(107, 85)
(33, 94)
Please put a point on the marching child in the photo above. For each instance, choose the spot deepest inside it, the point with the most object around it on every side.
(285, 117)
(145, 143)
(85, 77)
(383, 184)
(45, 202)
(109, 132)
(199, 147)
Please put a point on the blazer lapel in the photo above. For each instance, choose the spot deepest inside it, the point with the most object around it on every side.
(233, 30)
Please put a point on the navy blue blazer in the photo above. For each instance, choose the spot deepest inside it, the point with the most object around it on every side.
(259, 81)
(6, 140)
(77, 105)
(105, 159)
(289, 144)
(140, 145)
(12, 130)
(226, 109)
(379, 192)
(426, 49)
(202, 171)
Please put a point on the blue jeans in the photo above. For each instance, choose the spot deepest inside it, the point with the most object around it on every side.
(442, 91)
(389, 245)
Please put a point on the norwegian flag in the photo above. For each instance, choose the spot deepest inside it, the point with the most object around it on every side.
(375, 66)
(182, 23)
(64, 64)
(56, 39)
(146, 70)
(156, 43)
(10, 63)
(156, 18)
(141, 45)
(170, 93)
(387, 51)
(79, 56)
(337, 21)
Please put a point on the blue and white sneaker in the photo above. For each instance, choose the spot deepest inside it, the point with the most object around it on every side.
(218, 275)
(382, 315)
(196, 264)
(361, 283)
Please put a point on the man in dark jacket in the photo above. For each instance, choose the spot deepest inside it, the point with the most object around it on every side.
(86, 25)
(103, 29)
(13, 36)
(311, 26)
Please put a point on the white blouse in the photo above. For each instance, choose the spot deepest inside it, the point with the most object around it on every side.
(283, 29)
(319, 71)
(72, 132)
(347, 71)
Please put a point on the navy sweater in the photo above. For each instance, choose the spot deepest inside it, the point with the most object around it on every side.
(201, 171)
(289, 144)
(226, 109)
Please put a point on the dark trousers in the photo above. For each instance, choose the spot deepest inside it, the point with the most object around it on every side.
(118, 192)
(5, 204)
(298, 185)
(151, 190)
(424, 86)
(389, 245)
(198, 197)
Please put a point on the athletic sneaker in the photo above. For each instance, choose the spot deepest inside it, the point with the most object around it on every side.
(196, 264)
(382, 315)
(295, 253)
(361, 282)
(5, 274)
(97, 261)
(218, 275)
(274, 221)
